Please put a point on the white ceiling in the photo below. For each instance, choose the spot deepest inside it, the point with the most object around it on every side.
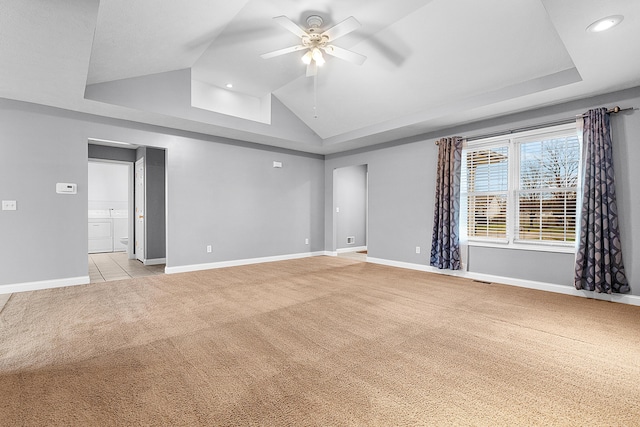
(431, 63)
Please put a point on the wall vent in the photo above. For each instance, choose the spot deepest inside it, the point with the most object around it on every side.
(351, 240)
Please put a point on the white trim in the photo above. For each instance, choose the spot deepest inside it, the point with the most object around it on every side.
(329, 253)
(530, 284)
(353, 249)
(155, 261)
(43, 284)
(239, 262)
(412, 266)
(524, 246)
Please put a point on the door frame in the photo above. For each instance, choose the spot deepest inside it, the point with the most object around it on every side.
(139, 256)
(335, 184)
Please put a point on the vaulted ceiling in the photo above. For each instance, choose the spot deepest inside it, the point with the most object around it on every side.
(430, 64)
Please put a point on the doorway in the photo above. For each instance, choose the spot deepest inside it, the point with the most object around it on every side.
(110, 192)
(350, 210)
(145, 234)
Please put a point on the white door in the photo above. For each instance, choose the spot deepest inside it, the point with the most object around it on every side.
(139, 210)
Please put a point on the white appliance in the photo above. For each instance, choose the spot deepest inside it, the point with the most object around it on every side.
(107, 227)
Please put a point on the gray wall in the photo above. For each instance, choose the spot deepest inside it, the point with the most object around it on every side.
(46, 237)
(156, 241)
(227, 194)
(351, 199)
(104, 152)
(401, 194)
(154, 200)
(400, 191)
(220, 192)
(241, 205)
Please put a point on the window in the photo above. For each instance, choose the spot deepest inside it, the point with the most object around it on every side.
(521, 190)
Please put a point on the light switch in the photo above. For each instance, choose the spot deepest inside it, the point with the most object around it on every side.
(9, 205)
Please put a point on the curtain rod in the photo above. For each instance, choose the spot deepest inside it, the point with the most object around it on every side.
(613, 110)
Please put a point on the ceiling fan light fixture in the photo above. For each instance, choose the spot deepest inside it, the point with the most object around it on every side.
(605, 23)
(307, 57)
(317, 56)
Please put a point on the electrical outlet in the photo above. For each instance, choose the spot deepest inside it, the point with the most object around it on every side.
(208, 248)
(417, 249)
(9, 205)
(306, 241)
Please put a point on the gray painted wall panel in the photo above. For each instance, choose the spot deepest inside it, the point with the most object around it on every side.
(241, 204)
(400, 190)
(155, 245)
(104, 152)
(46, 237)
(154, 196)
(547, 267)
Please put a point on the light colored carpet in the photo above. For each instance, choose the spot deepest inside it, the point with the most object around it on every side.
(319, 341)
(3, 300)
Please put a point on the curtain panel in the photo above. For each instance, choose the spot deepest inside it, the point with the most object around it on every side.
(445, 246)
(599, 265)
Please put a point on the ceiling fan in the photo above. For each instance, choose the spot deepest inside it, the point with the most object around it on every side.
(315, 42)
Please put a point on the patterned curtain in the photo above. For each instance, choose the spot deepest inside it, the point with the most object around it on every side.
(599, 259)
(445, 248)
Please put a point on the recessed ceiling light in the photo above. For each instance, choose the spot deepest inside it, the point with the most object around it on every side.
(229, 85)
(605, 23)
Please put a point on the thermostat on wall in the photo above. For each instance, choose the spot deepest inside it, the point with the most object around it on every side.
(66, 188)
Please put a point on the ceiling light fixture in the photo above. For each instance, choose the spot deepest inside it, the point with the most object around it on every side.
(307, 57)
(229, 85)
(315, 42)
(605, 23)
(317, 56)
(313, 54)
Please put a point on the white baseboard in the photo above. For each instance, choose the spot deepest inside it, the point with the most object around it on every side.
(352, 249)
(530, 284)
(239, 262)
(43, 284)
(330, 253)
(155, 261)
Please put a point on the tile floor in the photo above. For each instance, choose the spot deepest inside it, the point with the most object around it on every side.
(105, 267)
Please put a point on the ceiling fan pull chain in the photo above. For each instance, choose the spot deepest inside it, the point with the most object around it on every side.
(315, 96)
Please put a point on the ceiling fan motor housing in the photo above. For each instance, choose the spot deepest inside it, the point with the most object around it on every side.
(314, 22)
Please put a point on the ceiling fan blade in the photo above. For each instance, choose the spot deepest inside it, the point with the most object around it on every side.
(290, 25)
(342, 28)
(282, 51)
(312, 69)
(345, 54)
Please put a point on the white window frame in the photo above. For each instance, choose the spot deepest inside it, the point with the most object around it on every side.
(513, 141)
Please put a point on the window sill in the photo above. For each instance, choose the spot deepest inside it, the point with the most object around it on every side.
(537, 247)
